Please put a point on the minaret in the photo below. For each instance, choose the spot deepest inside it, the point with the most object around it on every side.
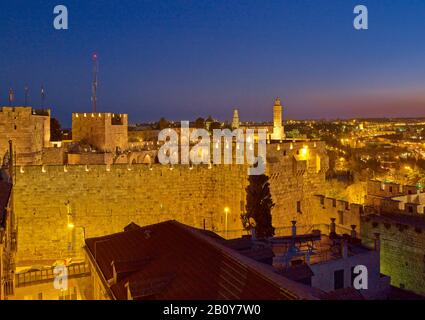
(235, 121)
(278, 132)
(26, 89)
(43, 96)
(11, 97)
(94, 84)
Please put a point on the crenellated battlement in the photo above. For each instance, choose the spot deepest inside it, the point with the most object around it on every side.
(24, 111)
(151, 169)
(96, 116)
(385, 224)
(402, 247)
(344, 213)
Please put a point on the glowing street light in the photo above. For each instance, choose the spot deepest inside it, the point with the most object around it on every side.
(226, 211)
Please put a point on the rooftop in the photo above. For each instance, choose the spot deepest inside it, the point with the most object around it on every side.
(320, 248)
(171, 261)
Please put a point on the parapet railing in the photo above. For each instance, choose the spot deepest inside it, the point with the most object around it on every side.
(33, 277)
(285, 231)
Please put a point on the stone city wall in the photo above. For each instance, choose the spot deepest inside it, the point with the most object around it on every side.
(402, 250)
(104, 199)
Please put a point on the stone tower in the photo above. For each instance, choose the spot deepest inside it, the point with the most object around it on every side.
(235, 121)
(107, 132)
(278, 132)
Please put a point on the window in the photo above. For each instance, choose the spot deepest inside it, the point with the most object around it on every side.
(299, 206)
(322, 201)
(334, 203)
(391, 189)
(410, 209)
(339, 279)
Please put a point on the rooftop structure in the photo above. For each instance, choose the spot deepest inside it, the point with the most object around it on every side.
(327, 262)
(171, 261)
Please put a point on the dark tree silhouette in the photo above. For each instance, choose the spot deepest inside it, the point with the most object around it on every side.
(215, 125)
(163, 124)
(55, 130)
(200, 123)
(258, 207)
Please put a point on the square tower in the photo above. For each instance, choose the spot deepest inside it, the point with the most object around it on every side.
(107, 132)
(29, 130)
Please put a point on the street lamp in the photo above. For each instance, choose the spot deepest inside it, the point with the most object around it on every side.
(226, 211)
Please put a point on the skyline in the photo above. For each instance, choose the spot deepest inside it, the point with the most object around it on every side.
(178, 60)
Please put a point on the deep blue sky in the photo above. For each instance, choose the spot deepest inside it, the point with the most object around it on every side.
(183, 59)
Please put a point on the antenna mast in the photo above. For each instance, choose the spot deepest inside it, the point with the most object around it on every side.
(43, 96)
(11, 96)
(26, 95)
(94, 84)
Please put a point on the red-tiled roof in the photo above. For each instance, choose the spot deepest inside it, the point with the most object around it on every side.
(183, 263)
(5, 190)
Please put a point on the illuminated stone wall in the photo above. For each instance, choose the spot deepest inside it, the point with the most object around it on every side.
(402, 250)
(297, 173)
(104, 199)
(345, 214)
(29, 130)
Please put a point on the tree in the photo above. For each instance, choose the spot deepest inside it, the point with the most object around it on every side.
(200, 123)
(258, 207)
(55, 130)
(163, 124)
(215, 125)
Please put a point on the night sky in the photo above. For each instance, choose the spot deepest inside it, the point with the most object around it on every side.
(183, 59)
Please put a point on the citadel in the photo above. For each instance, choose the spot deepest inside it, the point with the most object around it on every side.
(100, 172)
(107, 178)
